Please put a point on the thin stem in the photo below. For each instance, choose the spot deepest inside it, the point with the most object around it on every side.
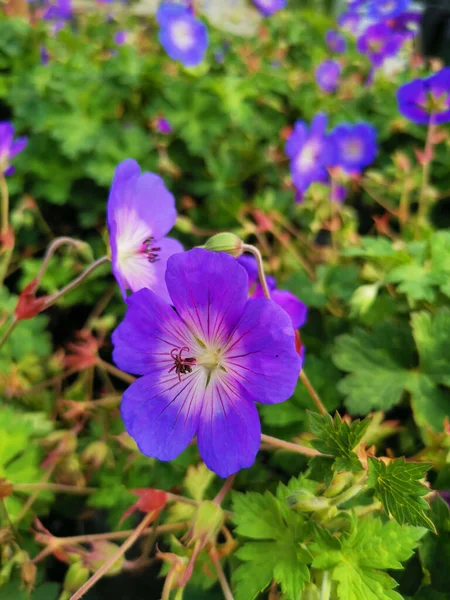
(29, 503)
(177, 498)
(57, 243)
(291, 447)
(228, 595)
(115, 371)
(403, 211)
(4, 204)
(425, 175)
(312, 392)
(325, 592)
(76, 282)
(9, 330)
(259, 261)
(54, 487)
(120, 552)
(225, 489)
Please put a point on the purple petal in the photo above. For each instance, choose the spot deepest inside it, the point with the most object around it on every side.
(410, 97)
(249, 264)
(119, 191)
(161, 413)
(261, 353)
(6, 137)
(295, 308)
(209, 291)
(10, 170)
(17, 146)
(149, 332)
(229, 433)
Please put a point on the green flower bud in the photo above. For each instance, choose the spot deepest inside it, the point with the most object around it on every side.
(101, 552)
(207, 522)
(338, 484)
(225, 242)
(75, 577)
(95, 453)
(306, 501)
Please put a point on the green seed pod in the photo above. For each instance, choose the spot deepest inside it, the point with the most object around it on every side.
(225, 242)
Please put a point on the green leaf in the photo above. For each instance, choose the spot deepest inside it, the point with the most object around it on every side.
(338, 438)
(357, 561)
(397, 485)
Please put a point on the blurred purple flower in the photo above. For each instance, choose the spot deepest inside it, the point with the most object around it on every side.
(141, 211)
(406, 24)
(327, 75)
(335, 41)
(378, 42)
(349, 21)
(269, 7)
(295, 308)
(44, 55)
(426, 100)
(182, 35)
(163, 126)
(310, 152)
(120, 37)
(386, 9)
(9, 148)
(205, 364)
(58, 10)
(338, 193)
(355, 146)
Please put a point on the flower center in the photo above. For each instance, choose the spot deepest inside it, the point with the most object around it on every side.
(210, 359)
(182, 35)
(150, 250)
(181, 365)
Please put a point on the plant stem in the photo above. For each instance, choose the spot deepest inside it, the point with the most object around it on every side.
(403, 211)
(29, 503)
(4, 204)
(76, 282)
(60, 241)
(120, 552)
(12, 325)
(312, 392)
(291, 447)
(54, 487)
(325, 591)
(259, 261)
(225, 489)
(425, 176)
(115, 371)
(228, 595)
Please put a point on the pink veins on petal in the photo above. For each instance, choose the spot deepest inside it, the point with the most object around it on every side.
(205, 364)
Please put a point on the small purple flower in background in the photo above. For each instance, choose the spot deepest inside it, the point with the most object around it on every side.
(58, 11)
(269, 7)
(335, 42)
(295, 308)
(141, 211)
(163, 126)
(327, 75)
(120, 38)
(338, 193)
(386, 9)
(350, 21)
(354, 4)
(182, 35)
(355, 145)
(44, 55)
(378, 42)
(426, 101)
(310, 152)
(204, 364)
(407, 24)
(9, 148)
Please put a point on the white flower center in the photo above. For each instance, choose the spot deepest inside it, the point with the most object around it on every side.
(182, 35)
(308, 155)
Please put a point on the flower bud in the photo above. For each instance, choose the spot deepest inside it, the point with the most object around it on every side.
(101, 552)
(225, 242)
(28, 574)
(338, 484)
(75, 577)
(306, 501)
(95, 454)
(207, 522)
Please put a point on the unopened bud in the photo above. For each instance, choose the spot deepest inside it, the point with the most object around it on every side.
(28, 574)
(225, 242)
(306, 501)
(338, 484)
(101, 552)
(75, 577)
(95, 453)
(207, 522)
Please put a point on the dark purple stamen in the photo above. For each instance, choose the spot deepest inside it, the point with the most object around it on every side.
(182, 365)
(150, 250)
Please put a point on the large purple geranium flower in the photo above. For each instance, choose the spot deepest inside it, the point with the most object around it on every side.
(327, 75)
(269, 7)
(310, 152)
(426, 100)
(295, 308)
(182, 35)
(141, 211)
(355, 145)
(387, 9)
(378, 42)
(349, 21)
(204, 364)
(9, 147)
(335, 41)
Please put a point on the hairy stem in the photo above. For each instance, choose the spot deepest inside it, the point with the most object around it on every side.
(312, 392)
(259, 261)
(12, 325)
(4, 204)
(57, 243)
(325, 591)
(225, 489)
(227, 593)
(53, 487)
(421, 211)
(291, 447)
(115, 371)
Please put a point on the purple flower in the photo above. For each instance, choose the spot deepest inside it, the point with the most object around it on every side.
(58, 10)
(182, 35)
(9, 147)
(406, 24)
(310, 153)
(269, 7)
(386, 9)
(349, 21)
(44, 55)
(327, 75)
(338, 193)
(355, 145)
(425, 101)
(295, 308)
(163, 126)
(204, 364)
(120, 37)
(141, 211)
(335, 41)
(378, 42)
